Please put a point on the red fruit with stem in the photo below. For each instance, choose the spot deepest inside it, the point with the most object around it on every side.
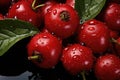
(107, 67)
(112, 16)
(22, 10)
(77, 59)
(95, 35)
(62, 20)
(44, 50)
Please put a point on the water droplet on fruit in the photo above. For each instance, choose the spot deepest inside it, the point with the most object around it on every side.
(117, 71)
(44, 36)
(73, 49)
(30, 20)
(48, 10)
(15, 17)
(74, 56)
(18, 6)
(86, 62)
(54, 12)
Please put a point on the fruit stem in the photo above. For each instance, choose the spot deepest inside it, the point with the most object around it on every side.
(33, 57)
(35, 7)
(83, 75)
(115, 41)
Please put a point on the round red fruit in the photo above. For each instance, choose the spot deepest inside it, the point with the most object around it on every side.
(62, 20)
(95, 35)
(77, 58)
(22, 10)
(112, 16)
(107, 67)
(44, 50)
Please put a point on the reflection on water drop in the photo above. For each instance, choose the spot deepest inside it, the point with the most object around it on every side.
(15, 17)
(18, 6)
(55, 12)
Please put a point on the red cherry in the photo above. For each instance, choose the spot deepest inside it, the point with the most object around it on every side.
(107, 67)
(112, 16)
(22, 10)
(77, 58)
(46, 49)
(95, 35)
(62, 20)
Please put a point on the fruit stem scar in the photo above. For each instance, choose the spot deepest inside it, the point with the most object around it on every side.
(65, 16)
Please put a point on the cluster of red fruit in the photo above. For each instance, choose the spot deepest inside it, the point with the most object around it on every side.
(93, 45)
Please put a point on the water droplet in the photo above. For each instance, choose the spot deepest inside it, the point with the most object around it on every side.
(73, 49)
(15, 17)
(74, 56)
(44, 36)
(30, 20)
(18, 6)
(54, 12)
(86, 62)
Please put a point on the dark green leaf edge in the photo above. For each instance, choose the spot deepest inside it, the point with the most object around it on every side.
(12, 31)
(88, 9)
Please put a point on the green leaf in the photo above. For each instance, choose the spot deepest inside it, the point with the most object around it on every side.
(88, 9)
(12, 31)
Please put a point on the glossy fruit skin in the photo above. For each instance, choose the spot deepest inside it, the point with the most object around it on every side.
(44, 9)
(112, 16)
(71, 3)
(76, 58)
(95, 35)
(1, 17)
(22, 10)
(62, 20)
(48, 47)
(107, 67)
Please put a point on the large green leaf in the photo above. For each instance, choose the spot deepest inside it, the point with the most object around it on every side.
(88, 9)
(12, 31)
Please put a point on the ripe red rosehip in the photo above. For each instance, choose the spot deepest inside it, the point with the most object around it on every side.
(107, 67)
(95, 35)
(77, 58)
(62, 20)
(46, 48)
(112, 16)
(22, 10)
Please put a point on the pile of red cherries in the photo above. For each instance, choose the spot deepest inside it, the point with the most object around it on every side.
(93, 45)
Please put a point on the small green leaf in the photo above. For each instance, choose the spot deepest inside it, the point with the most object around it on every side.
(88, 9)
(12, 31)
